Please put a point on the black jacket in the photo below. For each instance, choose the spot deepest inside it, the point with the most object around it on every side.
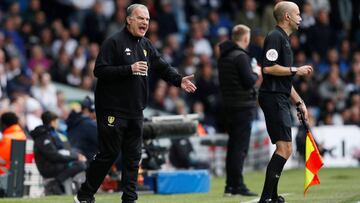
(119, 91)
(236, 77)
(47, 155)
(82, 133)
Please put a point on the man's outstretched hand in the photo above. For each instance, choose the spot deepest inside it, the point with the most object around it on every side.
(187, 85)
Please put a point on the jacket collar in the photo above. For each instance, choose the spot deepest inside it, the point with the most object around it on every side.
(282, 32)
(131, 36)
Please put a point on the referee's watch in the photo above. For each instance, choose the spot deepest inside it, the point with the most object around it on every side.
(293, 70)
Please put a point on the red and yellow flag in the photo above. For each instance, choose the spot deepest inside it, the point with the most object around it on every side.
(313, 162)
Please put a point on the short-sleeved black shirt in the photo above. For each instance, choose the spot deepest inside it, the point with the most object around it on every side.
(277, 50)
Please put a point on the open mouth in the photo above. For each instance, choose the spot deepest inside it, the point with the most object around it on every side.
(142, 29)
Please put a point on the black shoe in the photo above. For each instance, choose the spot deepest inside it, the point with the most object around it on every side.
(279, 199)
(81, 200)
(246, 192)
(227, 192)
(238, 191)
(54, 187)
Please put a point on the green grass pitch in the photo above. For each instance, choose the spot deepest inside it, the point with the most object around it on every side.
(337, 186)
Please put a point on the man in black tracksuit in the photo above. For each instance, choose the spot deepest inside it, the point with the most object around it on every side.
(122, 68)
(237, 83)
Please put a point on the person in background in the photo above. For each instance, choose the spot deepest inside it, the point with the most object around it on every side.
(82, 129)
(238, 78)
(11, 130)
(54, 156)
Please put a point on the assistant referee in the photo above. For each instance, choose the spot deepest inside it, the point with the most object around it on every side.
(277, 91)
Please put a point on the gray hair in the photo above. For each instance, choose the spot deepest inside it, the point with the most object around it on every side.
(132, 7)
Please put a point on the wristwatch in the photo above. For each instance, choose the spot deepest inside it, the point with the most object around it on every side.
(293, 70)
(299, 103)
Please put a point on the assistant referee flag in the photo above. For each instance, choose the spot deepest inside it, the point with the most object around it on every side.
(313, 162)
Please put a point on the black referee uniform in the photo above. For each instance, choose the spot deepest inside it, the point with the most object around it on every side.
(274, 100)
(274, 95)
(120, 98)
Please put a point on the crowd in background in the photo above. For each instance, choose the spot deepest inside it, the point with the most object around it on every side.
(42, 42)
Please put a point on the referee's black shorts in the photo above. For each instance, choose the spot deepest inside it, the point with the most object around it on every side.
(276, 108)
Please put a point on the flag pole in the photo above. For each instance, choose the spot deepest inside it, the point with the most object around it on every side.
(313, 160)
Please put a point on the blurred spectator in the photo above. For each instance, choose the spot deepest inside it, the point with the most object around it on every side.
(331, 60)
(18, 106)
(65, 42)
(88, 79)
(307, 91)
(256, 46)
(18, 77)
(188, 65)
(61, 67)
(158, 101)
(201, 8)
(345, 52)
(307, 16)
(46, 38)
(33, 111)
(95, 24)
(79, 58)
(34, 7)
(219, 24)
(172, 100)
(321, 35)
(63, 109)
(38, 62)
(13, 35)
(333, 88)
(200, 43)
(318, 5)
(354, 86)
(54, 156)
(73, 77)
(208, 94)
(330, 114)
(82, 130)
(173, 47)
(248, 15)
(354, 116)
(268, 21)
(166, 19)
(45, 92)
(341, 16)
(39, 23)
(93, 51)
(11, 130)
(117, 23)
(75, 31)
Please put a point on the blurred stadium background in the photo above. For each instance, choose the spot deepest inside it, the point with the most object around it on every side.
(48, 51)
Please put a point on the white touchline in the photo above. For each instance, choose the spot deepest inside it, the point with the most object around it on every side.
(257, 199)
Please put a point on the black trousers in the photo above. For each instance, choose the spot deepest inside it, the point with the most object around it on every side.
(63, 171)
(238, 124)
(116, 135)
